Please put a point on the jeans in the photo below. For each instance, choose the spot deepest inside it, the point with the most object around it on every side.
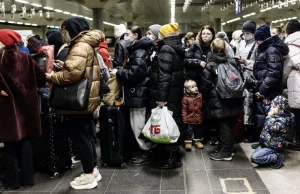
(80, 128)
(18, 155)
(195, 130)
(263, 156)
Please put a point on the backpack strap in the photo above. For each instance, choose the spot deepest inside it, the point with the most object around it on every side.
(251, 51)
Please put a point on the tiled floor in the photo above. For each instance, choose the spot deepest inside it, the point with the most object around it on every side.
(199, 175)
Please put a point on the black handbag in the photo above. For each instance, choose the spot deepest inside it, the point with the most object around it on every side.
(73, 97)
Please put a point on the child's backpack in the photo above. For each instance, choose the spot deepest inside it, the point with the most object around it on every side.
(230, 82)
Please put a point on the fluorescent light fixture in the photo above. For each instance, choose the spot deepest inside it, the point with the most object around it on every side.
(27, 24)
(275, 6)
(86, 18)
(36, 5)
(11, 22)
(233, 20)
(74, 14)
(91, 19)
(48, 26)
(48, 8)
(58, 10)
(2, 21)
(22, 1)
(172, 2)
(268, 8)
(52, 26)
(186, 5)
(223, 24)
(294, 17)
(110, 24)
(289, 18)
(66, 12)
(34, 24)
(262, 10)
(20, 23)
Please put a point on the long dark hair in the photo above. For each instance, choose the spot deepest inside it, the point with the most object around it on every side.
(208, 27)
(137, 30)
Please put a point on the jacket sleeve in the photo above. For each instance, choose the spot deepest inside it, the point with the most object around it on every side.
(119, 55)
(136, 73)
(206, 81)
(75, 66)
(201, 102)
(40, 75)
(274, 71)
(165, 61)
(190, 60)
(184, 109)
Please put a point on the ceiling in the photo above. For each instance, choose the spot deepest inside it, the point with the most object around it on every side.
(147, 12)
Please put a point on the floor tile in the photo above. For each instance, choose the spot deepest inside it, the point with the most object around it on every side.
(196, 180)
(64, 185)
(136, 181)
(241, 191)
(130, 192)
(288, 191)
(200, 192)
(172, 179)
(193, 161)
(235, 179)
(173, 192)
(23, 192)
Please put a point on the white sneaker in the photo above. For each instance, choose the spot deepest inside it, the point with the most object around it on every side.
(97, 174)
(75, 160)
(84, 181)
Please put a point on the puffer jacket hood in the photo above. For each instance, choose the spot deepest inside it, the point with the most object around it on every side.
(293, 39)
(103, 45)
(175, 43)
(276, 42)
(218, 58)
(144, 43)
(92, 38)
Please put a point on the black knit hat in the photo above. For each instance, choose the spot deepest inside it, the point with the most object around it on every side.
(262, 33)
(292, 26)
(249, 26)
(75, 25)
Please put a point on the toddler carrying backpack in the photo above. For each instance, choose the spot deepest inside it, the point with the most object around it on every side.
(230, 82)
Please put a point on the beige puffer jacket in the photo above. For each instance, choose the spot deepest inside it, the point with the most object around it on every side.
(78, 64)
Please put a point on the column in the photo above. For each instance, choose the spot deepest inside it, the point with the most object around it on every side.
(217, 25)
(44, 31)
(98, 17)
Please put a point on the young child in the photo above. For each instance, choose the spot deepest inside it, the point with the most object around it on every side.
(192, 115)
(272, 137)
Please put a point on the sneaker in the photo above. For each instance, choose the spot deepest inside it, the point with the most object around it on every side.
(214, 140)
(75, 160)
(255, 146)
(218, 149)
(84, 181)
(140, 160)
(279, 162)
(222, 155)
(294, 147)
(97, 174)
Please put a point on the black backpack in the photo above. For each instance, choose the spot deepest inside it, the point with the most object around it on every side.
(230, 82)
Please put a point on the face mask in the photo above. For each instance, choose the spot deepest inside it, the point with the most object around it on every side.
(150, 37)
(248, 37)
(159, 37)
(127, 39)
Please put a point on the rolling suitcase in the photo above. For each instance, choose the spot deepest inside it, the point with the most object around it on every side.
(113, 135)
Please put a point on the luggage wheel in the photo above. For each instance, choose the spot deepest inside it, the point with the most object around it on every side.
(55, 175)
(124, 165)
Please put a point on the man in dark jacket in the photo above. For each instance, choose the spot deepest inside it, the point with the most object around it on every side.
(167, 81)
(268, 70)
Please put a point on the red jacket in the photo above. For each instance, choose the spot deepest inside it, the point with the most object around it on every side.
(103, 51)
(191, 109)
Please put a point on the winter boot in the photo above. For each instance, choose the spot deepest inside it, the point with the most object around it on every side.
(198, 144)
(188, 146)
(173, 161)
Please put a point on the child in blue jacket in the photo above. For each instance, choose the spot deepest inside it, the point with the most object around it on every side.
(272, 137)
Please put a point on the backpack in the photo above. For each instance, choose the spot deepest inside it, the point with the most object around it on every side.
(230, 82)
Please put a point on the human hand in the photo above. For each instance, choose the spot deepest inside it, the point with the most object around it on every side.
(3, 93)
(258, 95)
(202, 64)
(161, 103)
(49, 75)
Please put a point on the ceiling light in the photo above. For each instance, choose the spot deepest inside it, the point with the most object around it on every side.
(27, 24)
(52, 26)
(41, 13)
(47, 14)
(172, 2)
(275, 6)
(294, 17)
(23, 11)
(74, 14)
(186, 5)
(91, 19)
(2, 21)
(20, 23)
(48, 8)
(58, 10)
(67, 13)
(34, 24)
(262, 10)
(11, 22)
(233, 20)
(2, 7)
(57, 27)
(36, 5)
(110, 24)
(22, 1)
(13, 8)
(32, 11)
(223, 24)
(268, 8)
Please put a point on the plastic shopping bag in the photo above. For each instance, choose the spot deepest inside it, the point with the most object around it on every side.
(161, 127)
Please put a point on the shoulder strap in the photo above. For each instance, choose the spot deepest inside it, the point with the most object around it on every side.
(251, 51)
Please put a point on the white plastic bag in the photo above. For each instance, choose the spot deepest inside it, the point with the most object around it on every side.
(161, 127)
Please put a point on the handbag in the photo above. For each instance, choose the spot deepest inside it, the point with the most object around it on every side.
(73, 97)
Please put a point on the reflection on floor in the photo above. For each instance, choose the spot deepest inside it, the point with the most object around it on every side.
(199, 175)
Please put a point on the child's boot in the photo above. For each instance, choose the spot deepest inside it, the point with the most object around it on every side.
(198, 144)
(188, 145)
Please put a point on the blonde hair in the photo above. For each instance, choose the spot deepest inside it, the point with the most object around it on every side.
(188, 84)
(218, 46)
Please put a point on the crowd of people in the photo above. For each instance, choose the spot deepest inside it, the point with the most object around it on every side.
(206, 81)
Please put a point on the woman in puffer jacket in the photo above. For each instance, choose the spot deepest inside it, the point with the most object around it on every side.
(135, 77)
(291, 75)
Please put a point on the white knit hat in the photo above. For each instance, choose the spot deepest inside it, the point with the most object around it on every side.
(119, 30)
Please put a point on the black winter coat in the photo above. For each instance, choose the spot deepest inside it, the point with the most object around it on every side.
(136, 75)
(214, 106)
(268, 71)
(194, 56)
(120, 53)
(167, 76)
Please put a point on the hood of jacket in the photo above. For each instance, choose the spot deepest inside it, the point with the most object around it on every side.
(175, 43)
(103, 45)
(218, 58)
(276, 42)
(189, 95)
(293, 39)
(144, 43)
(92, 38)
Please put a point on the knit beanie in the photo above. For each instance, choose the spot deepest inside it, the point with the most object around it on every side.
(119, 30)
(76, 25)
(262, 33)
(51, 31)
(168, 28)
(155, 29)
(292, 26)
(281, 102)
(249, 26)
(9, 37)
(223, 36)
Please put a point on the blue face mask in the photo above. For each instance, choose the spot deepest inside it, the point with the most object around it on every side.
(159, 37)
(127, 39)
(150, 37)
(248, 37)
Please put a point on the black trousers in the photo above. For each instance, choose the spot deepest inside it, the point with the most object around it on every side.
(297, 122)
(195, 130)
(18, 155)
(81, 130)
(227, 135)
